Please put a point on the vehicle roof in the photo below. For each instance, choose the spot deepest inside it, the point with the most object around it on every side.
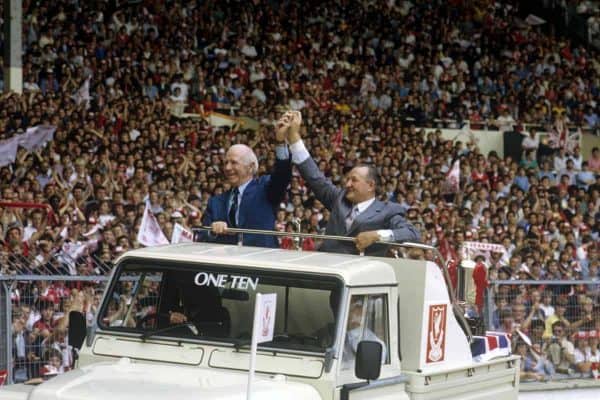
(353, 270)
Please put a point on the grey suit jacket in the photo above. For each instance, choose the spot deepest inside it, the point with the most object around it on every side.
(379, 215)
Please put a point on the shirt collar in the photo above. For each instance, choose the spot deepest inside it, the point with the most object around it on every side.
(362, 206)
(243, 187)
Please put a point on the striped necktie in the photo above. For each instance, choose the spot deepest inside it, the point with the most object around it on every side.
(351, 216)
(231, 216)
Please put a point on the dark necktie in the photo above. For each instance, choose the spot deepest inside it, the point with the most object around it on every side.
(233, 208)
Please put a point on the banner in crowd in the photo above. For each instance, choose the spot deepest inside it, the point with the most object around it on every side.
(181, 235)
(218, 120)
(150, 233)
(470, 248)
(33, 139)
(248, 123)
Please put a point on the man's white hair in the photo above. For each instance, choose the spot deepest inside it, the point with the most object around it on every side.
(248, 156)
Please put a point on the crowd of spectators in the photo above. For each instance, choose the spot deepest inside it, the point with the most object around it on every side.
(363, 94)
(40, 323)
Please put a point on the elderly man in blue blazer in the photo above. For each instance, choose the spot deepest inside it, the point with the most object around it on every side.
(252, 202)
(355, 210)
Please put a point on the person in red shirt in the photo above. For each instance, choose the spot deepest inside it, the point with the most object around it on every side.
(46, 323)
(480, 280)
(479, 175)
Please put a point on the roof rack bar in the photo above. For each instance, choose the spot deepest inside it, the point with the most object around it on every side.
(408, 245)
(314, 236)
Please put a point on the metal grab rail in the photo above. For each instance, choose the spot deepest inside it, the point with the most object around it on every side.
(319, 236)
(409, 245)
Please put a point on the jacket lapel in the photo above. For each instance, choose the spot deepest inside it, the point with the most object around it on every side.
(245, 196)
(366, 215)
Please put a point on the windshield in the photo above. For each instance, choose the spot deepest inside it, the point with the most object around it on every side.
(214, 303)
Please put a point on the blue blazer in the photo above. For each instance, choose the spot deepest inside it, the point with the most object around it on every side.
(258, 208)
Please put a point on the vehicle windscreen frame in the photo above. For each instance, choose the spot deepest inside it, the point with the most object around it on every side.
(293, 279)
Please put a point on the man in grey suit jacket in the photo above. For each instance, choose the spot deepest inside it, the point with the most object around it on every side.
(355, 211)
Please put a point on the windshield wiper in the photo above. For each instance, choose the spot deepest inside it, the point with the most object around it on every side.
(188, 325)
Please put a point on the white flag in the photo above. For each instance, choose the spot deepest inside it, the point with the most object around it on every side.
(8, 150)
(36, 137)
(452, 182)
(150, 233)
(525, 338)
(83, 93)
(264, 317)
(534, 20)
(180, 234)
(218, 120)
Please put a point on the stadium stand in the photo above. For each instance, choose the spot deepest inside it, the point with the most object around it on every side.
(129, 90)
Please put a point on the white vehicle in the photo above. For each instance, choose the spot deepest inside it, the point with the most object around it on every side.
(176, 323)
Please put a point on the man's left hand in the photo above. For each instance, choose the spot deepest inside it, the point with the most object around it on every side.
(177, 318)
(282, 126)
(365, 239)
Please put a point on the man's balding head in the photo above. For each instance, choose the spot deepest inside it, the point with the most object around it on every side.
(241, 164)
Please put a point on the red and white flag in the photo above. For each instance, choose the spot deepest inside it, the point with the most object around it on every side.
(150, 233)
(263, 329)
(180, 234)
(264, 317)
(452, 182)
(560, 137)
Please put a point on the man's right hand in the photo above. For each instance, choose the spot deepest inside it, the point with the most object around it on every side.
(295, 123)
(365, 239)
(219, 228)
(281, 127)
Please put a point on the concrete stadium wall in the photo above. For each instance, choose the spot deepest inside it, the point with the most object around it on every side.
(494, 140)
(487, 140)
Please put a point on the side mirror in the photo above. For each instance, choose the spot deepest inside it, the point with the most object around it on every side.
(368, 360)
(367, 366)
(77, 329)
